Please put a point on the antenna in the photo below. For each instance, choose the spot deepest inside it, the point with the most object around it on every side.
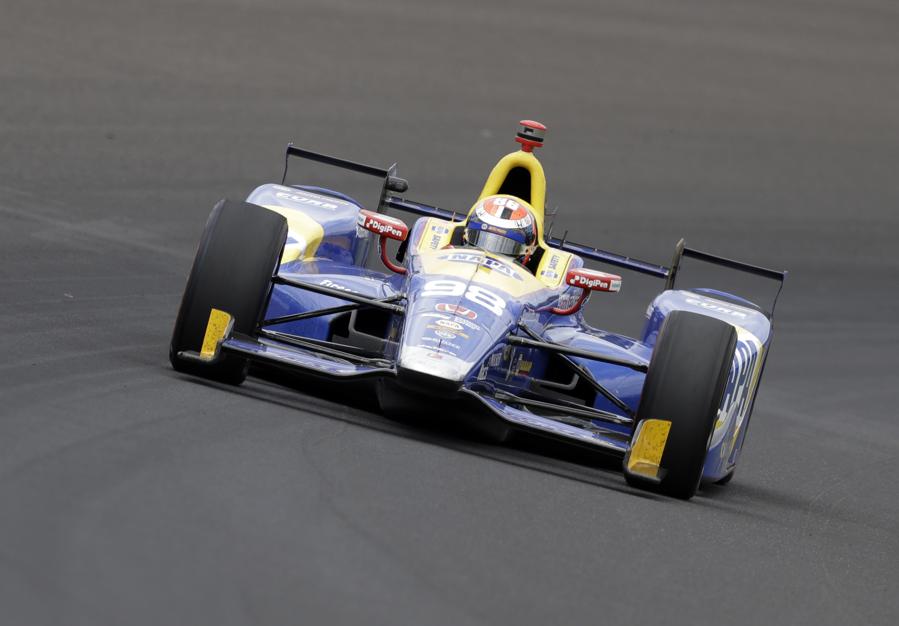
(551, 214)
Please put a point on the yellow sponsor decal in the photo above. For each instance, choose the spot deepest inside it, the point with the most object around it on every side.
(645, 455)
(304, 234)
(436, 234)
(217, 328)
(553, 267)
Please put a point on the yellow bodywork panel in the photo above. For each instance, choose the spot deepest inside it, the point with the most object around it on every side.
(304, 234)
(645, 456)
(217, 328)
(525, 160)
(554, 263)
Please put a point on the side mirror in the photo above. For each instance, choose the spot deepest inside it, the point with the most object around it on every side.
(386, 227)
(592, 280)
(588, 280)
(397, 184)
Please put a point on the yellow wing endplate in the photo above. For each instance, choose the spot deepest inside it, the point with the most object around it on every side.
(645, 456)
(217, 328)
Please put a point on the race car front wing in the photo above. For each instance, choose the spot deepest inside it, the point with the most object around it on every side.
(556, 418)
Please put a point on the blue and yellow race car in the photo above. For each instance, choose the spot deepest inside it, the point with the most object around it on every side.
(477, 317)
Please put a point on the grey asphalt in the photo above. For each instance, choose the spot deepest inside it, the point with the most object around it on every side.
(129, 494)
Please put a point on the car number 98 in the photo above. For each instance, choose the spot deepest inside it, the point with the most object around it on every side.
(474, 293)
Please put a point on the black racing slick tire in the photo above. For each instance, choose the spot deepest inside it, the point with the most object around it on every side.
(238, 254)
(685, 384)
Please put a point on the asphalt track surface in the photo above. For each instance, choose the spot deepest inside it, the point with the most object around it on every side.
(130, 494)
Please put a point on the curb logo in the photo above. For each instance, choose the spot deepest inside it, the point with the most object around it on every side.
(293, 197)
(711, 306)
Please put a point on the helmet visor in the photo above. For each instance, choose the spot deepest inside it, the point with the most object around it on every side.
(497, 244)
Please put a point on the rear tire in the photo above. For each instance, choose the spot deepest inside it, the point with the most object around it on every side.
(685, 383)
(238, 254)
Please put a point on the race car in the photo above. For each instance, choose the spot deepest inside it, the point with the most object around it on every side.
(478, 317)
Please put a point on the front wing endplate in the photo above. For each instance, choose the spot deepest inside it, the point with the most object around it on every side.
(645, 455)
(217, 328)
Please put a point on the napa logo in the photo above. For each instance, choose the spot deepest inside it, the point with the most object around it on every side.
(484, 261)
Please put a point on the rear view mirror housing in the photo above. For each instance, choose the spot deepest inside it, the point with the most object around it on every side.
(386, 227)
(593, 280)
(383, 225)
(588, 280)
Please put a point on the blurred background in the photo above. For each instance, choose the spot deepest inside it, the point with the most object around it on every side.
(763, 131)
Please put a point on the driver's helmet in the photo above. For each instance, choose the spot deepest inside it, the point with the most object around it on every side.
(503, 225)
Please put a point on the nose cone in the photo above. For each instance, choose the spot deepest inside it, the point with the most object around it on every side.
(424, 369)
(446, 334)
(442, 337)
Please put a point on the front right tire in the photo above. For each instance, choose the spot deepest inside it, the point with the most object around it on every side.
(685, 384)
(238, 254)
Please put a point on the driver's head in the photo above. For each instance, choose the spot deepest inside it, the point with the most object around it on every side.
(503, 225)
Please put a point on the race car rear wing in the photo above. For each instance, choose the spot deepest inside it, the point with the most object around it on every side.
(681, 251)
(392, 183)
(603, 256)
(388, 175)
(669, 274)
